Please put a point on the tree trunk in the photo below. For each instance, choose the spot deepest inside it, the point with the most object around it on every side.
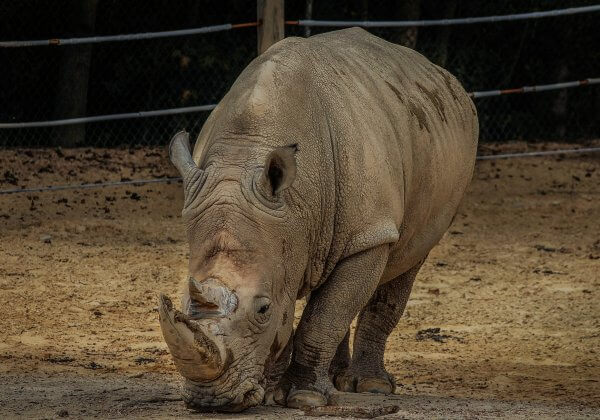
(364, 10)
(409, 10)
(440, 54)
(71, 95)
(560, 104)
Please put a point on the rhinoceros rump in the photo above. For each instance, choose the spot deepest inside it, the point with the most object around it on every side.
(332, 167)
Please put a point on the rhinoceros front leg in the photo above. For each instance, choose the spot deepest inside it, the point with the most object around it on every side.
(375, 323)
(324, 324)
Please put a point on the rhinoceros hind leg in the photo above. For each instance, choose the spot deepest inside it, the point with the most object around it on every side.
(341, 360)
(375, 323)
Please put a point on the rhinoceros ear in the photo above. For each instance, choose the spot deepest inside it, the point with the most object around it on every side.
(280, 169)
(181, 157)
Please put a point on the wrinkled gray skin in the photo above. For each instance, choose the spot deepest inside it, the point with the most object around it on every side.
(332, 167)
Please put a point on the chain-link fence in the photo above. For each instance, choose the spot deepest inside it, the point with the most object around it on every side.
(120, 77)
(57, 82)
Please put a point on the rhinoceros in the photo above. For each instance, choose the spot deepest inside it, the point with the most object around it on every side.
(328, 171)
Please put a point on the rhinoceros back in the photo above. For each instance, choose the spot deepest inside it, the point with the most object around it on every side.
(405, 134)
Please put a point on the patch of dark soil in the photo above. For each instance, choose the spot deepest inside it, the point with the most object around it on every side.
(10, 178)
(141, 360)
(59, 359)
(435, 335)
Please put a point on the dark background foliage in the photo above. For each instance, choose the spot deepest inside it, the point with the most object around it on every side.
(43, 83)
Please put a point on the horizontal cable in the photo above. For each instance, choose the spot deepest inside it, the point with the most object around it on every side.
(110, 117)
(138, 182)
(541, 153)
(125, 37)
(199, 108)
(305, 22)
(538, 88)
(134, 182)
(443, 22)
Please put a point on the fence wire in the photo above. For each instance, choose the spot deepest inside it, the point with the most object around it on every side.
(442, 22)
(486, 56)
(168, 180)
(45, 83)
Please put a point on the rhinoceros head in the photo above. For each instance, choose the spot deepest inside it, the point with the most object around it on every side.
(237, 308)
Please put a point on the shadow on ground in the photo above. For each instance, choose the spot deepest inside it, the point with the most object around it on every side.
(157, 396)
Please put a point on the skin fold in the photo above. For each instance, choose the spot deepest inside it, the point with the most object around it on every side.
(332, 167)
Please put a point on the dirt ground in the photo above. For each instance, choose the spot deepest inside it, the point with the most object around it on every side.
(503, 321)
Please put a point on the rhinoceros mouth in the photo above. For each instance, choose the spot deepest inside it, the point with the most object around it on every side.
(200, 398)
(203, 361)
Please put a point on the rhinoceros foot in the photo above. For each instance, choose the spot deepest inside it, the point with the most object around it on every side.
(298, 394)
(302, 398)
(349, 381)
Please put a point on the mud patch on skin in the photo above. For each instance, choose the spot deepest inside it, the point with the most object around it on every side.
(272, 358)
(396, 91)
(435, 99)
(419, 115)
(448, 83)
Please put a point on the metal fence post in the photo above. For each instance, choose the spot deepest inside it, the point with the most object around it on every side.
(269, 14)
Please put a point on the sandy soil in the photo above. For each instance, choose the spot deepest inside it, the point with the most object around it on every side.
(514, 288)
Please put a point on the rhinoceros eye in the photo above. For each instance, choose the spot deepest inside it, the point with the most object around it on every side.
(262, 307)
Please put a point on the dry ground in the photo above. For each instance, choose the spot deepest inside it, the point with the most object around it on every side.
(514, 289)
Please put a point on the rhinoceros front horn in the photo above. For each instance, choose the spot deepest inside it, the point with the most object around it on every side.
(181, 157)
(197, 356)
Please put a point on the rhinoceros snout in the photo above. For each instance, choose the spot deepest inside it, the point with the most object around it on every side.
(209, 298)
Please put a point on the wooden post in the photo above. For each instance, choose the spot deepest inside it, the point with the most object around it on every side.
(269, 14)
(73, 79)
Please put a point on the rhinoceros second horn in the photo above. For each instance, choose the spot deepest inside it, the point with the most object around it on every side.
(180, 155)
